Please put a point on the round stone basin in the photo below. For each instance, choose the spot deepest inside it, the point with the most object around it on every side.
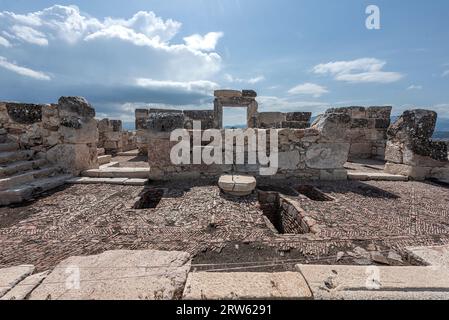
(237, 185)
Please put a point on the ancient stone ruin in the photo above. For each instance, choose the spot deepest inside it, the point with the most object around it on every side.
(411, 150)
(113, 138)
(64, 138)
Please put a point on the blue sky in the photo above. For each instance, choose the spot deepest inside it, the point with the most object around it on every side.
(298, 55)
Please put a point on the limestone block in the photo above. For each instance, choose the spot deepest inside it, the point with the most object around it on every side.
(85, 132)
(74, 157)
(118, 275)
(360, 149)
(440, 173)
(75, 106)
(340, 282)
(417, 173)
(249, 285)
(393, 152)
(25, 287)
(9, 277)
(227, 93)
(288, 160)
(327, 155)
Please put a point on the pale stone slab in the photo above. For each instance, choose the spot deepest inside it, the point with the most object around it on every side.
(114, 172)
(379, 176)
(237, 185)
(25, 287)
(432, 256)
(130, 153)
(117, 275)
(87, 180)
(9, 277)
(246, 285)
(376, 283)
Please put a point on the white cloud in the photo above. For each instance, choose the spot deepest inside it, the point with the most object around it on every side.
(364, 70)
(206, 43)
(23, 71)
(414, 87)
(312, 89)
(252, 80)
(445, 73)
(110, 61)
(273, 103)
(29, 35)
(4, 42)
(203, 86)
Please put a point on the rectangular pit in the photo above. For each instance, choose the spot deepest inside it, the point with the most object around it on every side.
(282, 215)
(313, 193)
(149, 199)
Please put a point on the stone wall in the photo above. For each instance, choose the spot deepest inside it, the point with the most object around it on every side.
(367, 132)
(164, 119)
(276, 120)
(313, 153)
(64, 133)
(113, 138)
(410, 149)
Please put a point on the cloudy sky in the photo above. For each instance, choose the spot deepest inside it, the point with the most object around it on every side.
(304, 55)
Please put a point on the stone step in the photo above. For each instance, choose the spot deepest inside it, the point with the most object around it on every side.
(8, 146)
(28, 191)
(340, 282)
(27, 177)
(120, 181)
(21, 166)
(104, 159)
(9, 277)
(114, 172)
(11, 156)
(130, 153)
(377, 176)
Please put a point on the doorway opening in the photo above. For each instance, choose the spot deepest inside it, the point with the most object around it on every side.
(235, 118)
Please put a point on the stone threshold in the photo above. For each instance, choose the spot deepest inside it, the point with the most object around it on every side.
(116, 181)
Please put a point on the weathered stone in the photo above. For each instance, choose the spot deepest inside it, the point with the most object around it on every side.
(84, 132)
(68, 106)
(11, 276)
(379, 258)
(24, 113)
(227, 93)
(376, 282)
(249, 93)
(73, 157)
(25, 287)
(299, 116)
(121, 274)
(327, 155)
(165, 121)
(431, 256)
(288, 160)
(245, 285)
